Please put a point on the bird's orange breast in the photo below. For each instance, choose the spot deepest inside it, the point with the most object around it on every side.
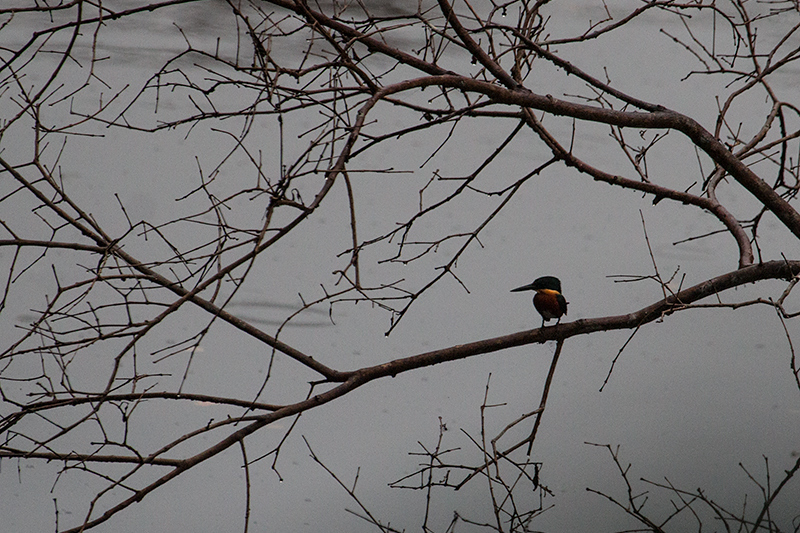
(550, 303)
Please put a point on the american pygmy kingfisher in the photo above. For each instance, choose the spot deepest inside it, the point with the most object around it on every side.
(548, 299)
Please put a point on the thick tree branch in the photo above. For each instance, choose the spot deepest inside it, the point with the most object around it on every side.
(358, 378)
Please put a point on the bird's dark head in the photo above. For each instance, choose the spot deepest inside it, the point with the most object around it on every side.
(544, 283)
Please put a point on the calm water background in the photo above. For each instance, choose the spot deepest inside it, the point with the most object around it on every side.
(690, 399)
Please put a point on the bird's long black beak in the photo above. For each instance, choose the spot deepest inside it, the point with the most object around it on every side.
(529, 287)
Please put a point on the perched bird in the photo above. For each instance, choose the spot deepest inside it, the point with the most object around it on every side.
(548, 299)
